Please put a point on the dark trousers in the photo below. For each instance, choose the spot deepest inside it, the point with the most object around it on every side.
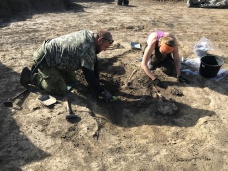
(165, 62)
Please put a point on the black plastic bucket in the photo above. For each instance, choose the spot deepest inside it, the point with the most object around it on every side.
(210, 65)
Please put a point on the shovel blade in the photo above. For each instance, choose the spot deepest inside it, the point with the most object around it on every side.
(71, 116)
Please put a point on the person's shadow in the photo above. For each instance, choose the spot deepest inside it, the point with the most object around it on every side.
(22, 10)
(16, 148)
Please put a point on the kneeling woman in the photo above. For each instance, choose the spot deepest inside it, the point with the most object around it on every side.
(162, 51)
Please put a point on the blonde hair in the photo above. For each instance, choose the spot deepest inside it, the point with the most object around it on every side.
(167, 40)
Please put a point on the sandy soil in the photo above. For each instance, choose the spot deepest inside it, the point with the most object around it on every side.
(128, 134)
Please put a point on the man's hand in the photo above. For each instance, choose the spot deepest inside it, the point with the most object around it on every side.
(158, 83)
(107, 96)
(181, 79)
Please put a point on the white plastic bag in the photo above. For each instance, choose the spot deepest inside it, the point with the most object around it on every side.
(201, 48)
(192, 62)
(221, 74)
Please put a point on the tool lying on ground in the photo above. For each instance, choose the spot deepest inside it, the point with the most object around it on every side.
(70, 114)
(9, 103)
(47, 100)
(135, 45)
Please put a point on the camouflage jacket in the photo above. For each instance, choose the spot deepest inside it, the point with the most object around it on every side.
(72, 51)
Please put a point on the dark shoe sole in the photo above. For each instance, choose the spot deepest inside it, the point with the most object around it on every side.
(25, 76)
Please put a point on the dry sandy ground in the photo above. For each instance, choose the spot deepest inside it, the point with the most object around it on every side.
(131, 133)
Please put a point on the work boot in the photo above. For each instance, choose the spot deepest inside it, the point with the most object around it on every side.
(25, 77)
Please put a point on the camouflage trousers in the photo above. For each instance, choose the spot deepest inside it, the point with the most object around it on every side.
(51, 79)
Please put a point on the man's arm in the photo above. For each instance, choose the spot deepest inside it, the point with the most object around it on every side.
(96, 70)
(92, 80)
